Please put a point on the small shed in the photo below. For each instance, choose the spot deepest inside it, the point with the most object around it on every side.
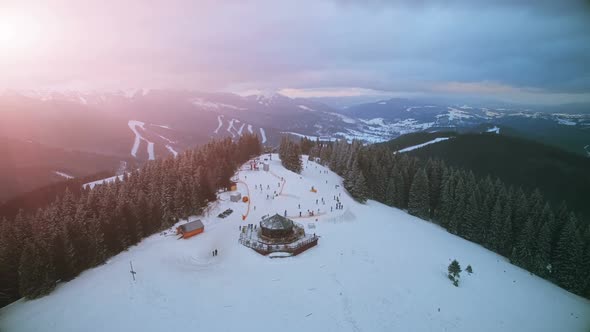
(235, 197)
(266, 167)
(190, 229)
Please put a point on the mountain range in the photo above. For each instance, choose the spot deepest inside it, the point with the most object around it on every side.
(133, 126)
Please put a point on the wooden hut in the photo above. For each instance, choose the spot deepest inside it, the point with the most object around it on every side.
(190, 229)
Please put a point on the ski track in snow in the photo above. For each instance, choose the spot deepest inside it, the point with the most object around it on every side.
(138, 138)
(263, 133)
(63, 175)
(230, 127)
(219, 117)
(410, 148)
(171, 149)
(250, 129)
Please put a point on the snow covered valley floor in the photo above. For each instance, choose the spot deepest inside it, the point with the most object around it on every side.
(375, 268)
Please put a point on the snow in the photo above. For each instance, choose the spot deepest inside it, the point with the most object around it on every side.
(465, 107)
(171, 149)
(64, 175)
(565, 122)
(162, 126)
(250, 129)
(91, 185)
(303, 107)
(166, 139)
(133, 124)
(263, 134)
(382, 103)
(219, 117)
(454, 114)
(241, 128)
(83, 100)
(495, 129)
(230, 127)
(375, 268)
(436, 140)
(209, 105)
(311, 137)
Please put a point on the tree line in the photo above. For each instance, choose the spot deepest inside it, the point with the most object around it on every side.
(547, 241)
(77, 232)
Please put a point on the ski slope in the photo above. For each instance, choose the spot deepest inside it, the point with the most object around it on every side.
(414, 147)
(133, 124)
(375, 268)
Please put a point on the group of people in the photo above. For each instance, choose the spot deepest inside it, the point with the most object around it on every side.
(214, 252)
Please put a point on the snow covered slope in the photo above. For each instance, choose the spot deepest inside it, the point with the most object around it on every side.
(375, 269)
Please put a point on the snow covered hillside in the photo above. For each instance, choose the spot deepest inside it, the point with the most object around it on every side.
(375, 268)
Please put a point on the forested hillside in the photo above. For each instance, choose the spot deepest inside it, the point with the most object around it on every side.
(74, 233)
(558, 174)
(546, 239)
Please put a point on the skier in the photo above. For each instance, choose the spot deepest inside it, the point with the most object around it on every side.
(285, 213)
(300, 214)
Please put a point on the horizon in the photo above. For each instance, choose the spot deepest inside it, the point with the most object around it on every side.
(514, 52)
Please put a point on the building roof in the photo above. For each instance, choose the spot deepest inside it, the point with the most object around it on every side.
(277, 222)
(191, 226)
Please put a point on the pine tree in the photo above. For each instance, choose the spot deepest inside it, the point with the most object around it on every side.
(419, 201)
(36, 273)
(541, 262)
(567, 253)
(454, 270)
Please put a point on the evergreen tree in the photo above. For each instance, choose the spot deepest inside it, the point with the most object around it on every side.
(454, 270)
(567, 254)
(36, 273)
(419, 201)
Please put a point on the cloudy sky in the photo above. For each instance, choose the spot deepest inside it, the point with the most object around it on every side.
(519, 50)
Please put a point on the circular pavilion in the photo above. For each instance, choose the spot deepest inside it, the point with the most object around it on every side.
(277, 227)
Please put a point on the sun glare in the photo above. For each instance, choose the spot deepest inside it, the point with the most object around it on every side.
(18, 32)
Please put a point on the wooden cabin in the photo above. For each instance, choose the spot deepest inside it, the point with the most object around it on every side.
(190, 229)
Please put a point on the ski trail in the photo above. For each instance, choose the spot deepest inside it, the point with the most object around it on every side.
(64, 175)
(219, 117)
(250, 129)
(132, 124)
(138, 138)
(263, 135)
(174, 152)
(230, 127)
(241, 128)
(150, 149)
(167, 139)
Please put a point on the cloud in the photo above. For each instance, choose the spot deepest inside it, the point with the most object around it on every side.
(410, 46)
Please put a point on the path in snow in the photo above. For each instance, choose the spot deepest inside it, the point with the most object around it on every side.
(436, 140)
(263, 135)
(138, 138)
(219, 117)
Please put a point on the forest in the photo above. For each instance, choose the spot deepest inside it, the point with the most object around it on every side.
(80, 230)
(549, 241)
